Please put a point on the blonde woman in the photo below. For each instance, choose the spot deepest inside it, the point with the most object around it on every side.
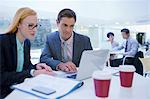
(15, 64)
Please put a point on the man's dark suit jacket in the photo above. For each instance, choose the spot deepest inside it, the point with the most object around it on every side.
(51, 54)
(8, 63)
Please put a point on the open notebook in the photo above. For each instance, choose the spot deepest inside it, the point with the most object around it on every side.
(62, 86)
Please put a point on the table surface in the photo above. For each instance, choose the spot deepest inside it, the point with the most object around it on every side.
(120, 53)
(139, 90)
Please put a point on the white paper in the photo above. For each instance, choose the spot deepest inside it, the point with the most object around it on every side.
(61, 85)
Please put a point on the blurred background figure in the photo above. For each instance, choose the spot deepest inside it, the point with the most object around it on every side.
(130, 45)
(110, 37)
(113, 43)
(148, 48)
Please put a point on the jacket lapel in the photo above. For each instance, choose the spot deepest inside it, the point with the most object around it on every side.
(57, 44)
(26, 54)
(14, 49)
(76, 47)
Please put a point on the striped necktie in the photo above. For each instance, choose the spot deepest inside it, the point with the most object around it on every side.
(65, 55)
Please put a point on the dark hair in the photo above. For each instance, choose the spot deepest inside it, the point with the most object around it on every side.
(109, 34)
(66, 13)
(125, 30)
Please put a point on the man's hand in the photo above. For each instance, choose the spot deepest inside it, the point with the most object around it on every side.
(41, 66)
(71, 66)
(67, 67)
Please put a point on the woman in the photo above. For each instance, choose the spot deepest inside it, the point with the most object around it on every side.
(15, 64)
(114, 44)
(110, 36)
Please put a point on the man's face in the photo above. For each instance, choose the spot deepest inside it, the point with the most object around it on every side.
(125, 35)
(65, 27)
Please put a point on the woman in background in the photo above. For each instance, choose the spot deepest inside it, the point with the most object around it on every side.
(15, 64)
(110, 36)
(114, 44)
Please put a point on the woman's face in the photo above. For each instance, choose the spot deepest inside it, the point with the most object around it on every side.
(111, 38)
(28, 27)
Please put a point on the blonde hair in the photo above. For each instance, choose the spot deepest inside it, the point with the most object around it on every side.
(21, 14)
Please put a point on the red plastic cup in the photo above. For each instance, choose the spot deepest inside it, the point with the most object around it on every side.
(102, 81)
(126, 75)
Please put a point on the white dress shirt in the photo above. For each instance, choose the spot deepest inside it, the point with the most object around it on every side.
(132, 47)
(69, 46)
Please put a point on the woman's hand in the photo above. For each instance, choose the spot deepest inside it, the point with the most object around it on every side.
(42, 71)
(41, 66)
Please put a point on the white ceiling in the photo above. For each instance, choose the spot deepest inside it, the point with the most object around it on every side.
(107, 12)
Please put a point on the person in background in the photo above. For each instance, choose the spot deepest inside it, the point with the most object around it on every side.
(148, 48)
(113, 43)
(15, 64)
(110, 37)
(147, 53)
(130, 45)
(63, 48)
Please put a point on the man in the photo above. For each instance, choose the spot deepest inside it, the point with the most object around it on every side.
(131, 48)
(64, 47)
(110, 36)
(130, 45)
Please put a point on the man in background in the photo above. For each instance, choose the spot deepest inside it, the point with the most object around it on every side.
(130, 45)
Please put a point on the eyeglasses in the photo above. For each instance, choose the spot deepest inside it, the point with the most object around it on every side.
(31, 26)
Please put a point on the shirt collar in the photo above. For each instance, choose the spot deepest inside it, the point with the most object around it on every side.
(128, 39)
(69, 41)
(19, 44)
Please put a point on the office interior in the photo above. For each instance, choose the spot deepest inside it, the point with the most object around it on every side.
(95, 18)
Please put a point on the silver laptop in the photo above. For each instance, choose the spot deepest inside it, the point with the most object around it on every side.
(91, 60)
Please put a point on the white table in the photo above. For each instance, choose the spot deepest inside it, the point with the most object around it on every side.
(139, 90)
(118, 54)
